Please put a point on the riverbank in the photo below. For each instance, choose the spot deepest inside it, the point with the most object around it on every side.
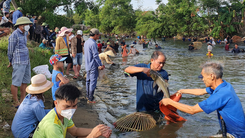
(84, 116)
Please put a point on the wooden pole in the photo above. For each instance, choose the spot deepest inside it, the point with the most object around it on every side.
(14, 4)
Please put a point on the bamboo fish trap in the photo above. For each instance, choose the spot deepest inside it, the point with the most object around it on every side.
(135, 122)
(197, 45)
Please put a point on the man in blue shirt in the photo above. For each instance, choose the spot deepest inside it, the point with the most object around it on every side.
(17, 14)
(92, 63)
(18, 55)
(222, 98)
(147, 98)
(236, 49)
(157, 47)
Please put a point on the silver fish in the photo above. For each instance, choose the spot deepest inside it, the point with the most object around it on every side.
(162, 84)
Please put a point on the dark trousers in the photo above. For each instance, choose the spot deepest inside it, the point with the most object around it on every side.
(31, 32)
(37, 38)
(8, 24)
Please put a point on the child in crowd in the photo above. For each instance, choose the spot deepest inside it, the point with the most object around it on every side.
(31, 110)
(57, 76)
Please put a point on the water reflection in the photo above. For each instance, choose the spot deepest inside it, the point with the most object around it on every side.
(117, 94)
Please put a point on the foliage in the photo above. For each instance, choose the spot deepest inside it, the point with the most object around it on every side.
(117, 16)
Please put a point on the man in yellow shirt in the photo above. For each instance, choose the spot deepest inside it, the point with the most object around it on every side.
(59, 120)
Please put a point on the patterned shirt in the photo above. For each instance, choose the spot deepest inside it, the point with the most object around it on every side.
(18, 52)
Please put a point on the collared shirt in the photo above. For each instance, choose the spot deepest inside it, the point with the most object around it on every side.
(52, 127)
(17, 14)
(235, 50)
(4, 20)
(147, 98)
(27, 117)
(18, 52)
(226, 102)
(91, 55)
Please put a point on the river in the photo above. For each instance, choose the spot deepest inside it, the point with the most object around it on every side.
(116, 94)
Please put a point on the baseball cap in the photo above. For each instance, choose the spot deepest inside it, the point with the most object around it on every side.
(56, 58)
(95, 31)
(79, 32)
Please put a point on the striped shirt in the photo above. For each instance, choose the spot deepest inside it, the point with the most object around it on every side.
(18, 52)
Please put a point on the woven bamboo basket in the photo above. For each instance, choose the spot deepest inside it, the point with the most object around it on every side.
(135, 122)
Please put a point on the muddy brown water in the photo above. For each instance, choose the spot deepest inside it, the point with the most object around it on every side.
(116, 94)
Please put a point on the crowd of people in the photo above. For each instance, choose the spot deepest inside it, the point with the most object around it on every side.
(32, 120)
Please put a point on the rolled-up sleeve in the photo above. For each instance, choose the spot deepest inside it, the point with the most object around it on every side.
(11, 47)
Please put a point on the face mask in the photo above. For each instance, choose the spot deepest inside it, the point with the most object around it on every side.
(68, 113)
(26, 28)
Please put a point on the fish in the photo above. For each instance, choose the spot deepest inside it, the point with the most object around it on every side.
(162, 84)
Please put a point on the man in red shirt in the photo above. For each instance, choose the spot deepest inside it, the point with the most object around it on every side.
(99, 47)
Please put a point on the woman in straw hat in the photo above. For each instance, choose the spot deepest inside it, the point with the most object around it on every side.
(31, 110)
(105, 56)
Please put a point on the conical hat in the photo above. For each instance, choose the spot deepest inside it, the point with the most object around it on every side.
(110, 53)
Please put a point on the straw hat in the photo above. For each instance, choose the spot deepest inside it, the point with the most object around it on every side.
(63, 30)
(110, 53)
(132, 45)
(39, 84)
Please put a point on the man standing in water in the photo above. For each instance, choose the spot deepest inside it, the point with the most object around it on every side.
(92, 63)
(146, 96)
(222, 98)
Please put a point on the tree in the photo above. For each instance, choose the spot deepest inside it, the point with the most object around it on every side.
(117, 16)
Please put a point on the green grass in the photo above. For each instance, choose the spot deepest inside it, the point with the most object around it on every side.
(37, 56)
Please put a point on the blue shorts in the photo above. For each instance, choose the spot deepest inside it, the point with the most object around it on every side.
(21, 74)
(78, 59)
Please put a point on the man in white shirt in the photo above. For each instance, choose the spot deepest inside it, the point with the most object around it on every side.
(4, 22)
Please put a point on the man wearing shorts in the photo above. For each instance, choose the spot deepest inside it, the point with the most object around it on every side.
(77, 52)
(18, 55)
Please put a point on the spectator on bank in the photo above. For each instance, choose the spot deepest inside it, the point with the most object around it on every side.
(45, 31)
(6, 6)
(1, 5)
(38, 32)
(5, 22)
(53, 37)
(77, 52)
(31, 110)
(62, 47)
(17, 14)
(43, 45)
(18, 55)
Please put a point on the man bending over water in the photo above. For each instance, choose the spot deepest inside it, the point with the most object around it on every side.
(222, 98)
(146, 96)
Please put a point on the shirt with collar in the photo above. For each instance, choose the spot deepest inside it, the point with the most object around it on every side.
(27, 117)
(226, 102)
(147, 98)
(17, 14)
(18, 52)
(91, 55)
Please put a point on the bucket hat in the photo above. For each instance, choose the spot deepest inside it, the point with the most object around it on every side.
(63, 30)
(23, 20)
(20, 9)
(44, 24)
(39, 84)
(56, 58)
